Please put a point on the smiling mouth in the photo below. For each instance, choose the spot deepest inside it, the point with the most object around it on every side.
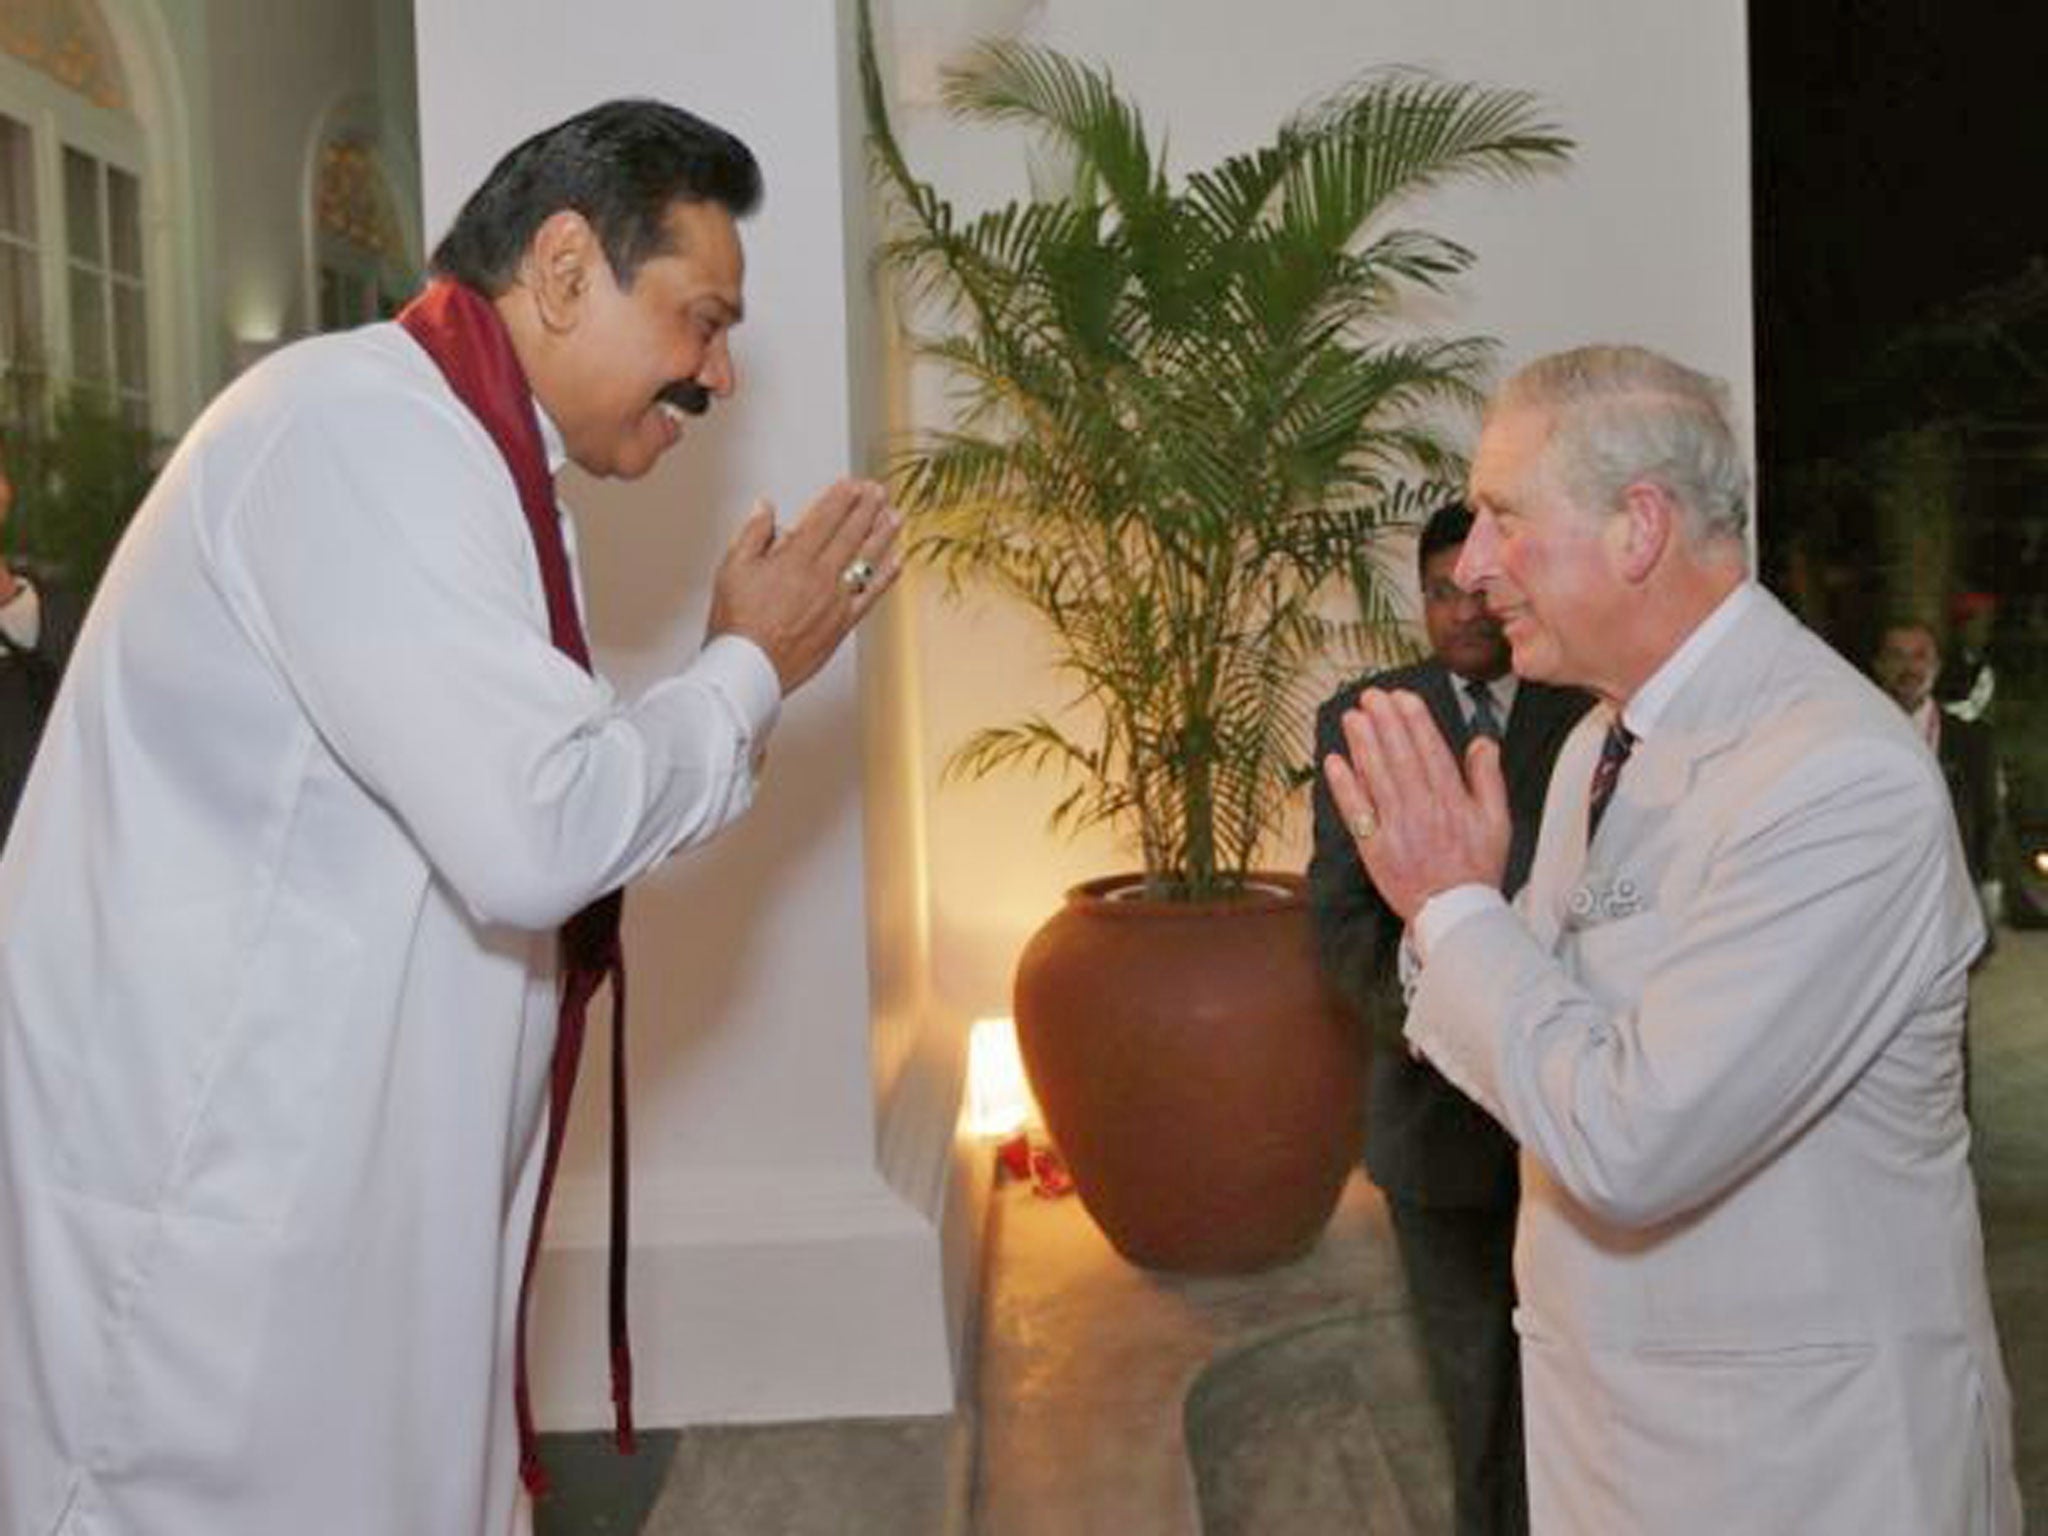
(685, 397)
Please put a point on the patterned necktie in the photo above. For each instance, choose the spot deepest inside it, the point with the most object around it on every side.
(1614, 752)
(1485, 721)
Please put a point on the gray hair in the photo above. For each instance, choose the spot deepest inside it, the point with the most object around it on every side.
(1620, 415)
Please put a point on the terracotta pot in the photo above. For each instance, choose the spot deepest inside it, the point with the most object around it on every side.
(1203, 1084)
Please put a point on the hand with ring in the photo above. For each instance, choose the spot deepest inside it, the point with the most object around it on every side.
(796, 592)
(1421, 824)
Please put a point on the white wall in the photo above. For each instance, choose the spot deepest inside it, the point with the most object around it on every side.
(1645, 238)
(282, 70)
(797, 1229)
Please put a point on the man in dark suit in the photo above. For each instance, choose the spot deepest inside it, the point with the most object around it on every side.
(1908, 666)
(1447, 1170)
(37, 622)
(1907, 663)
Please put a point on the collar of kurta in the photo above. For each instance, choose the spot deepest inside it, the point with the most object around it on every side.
(462, 332)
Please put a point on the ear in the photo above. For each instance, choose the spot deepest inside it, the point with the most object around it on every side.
(559, 269)
(1644, 529)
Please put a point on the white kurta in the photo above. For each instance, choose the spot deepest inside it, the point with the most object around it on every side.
(277, 971)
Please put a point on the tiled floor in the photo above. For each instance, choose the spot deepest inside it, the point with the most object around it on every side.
(1087, 1365)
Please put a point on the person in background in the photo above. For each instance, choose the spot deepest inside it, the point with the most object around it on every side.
(1966, 685)
(1446, 1168)
(37, 623)
(1907, 662)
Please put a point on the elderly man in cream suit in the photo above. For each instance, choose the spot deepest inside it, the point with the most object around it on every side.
(1723, 1019)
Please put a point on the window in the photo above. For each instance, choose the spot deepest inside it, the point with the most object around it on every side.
(109, 326)
(74, 286)
(362, 266)
(21, 307)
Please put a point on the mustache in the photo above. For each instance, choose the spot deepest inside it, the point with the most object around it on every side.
(687, 395)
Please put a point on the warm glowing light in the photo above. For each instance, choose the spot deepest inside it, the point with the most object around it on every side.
(2041, 862)
(999, 1101)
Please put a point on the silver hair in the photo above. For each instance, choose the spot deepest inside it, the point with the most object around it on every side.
(1619, 415)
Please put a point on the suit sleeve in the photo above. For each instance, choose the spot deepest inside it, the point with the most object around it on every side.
(1980, 773)
(1356, 933)
(1831, 913)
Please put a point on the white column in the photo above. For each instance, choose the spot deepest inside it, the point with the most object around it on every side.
(803, 1215)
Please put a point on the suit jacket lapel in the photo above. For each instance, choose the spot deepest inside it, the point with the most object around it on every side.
(1708, 715)
(1561, 844)
(1434, 684)
(1711, 711)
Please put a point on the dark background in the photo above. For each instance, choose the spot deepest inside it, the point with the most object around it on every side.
(1900, 190)
(1900, 162)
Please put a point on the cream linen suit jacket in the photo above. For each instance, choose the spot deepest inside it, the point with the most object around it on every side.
(1727, 1039)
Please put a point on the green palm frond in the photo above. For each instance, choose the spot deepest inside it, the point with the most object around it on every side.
(1399, 132)
(1099, 131)
(1183, 416)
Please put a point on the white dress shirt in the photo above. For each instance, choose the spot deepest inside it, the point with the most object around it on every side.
(1501, 690)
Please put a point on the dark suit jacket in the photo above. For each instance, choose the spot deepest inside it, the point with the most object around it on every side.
(1970, 765)
(1425, 1141)
(28, 681)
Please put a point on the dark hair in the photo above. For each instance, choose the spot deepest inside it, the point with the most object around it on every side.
(1446, 529)
(1895, 622)
(622, 165)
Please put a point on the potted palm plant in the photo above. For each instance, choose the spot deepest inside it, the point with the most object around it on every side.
(1183, 424)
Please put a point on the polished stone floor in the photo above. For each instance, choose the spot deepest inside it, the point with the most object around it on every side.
(1118, 1402)
(2009, 1093)
(1088, 1366)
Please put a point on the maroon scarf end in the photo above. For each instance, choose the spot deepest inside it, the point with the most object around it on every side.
(622, 1399)
(462, 332)
(534, 1475)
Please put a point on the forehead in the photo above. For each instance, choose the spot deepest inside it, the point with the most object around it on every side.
(703, 259)
(1908, 637)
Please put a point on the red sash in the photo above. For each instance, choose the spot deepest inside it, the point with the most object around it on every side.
(467, 340)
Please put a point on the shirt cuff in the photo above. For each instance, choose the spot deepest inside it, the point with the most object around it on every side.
(740, 672)
(1445, 910)
(21, 616)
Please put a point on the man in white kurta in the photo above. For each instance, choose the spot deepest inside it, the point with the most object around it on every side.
(277, 922)
(1723, 1019)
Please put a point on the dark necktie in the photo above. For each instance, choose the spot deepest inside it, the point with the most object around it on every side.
(1614, 752)
(1485, 721)
(462, 333)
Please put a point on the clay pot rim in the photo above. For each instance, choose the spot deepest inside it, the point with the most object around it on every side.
(1265, 890)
